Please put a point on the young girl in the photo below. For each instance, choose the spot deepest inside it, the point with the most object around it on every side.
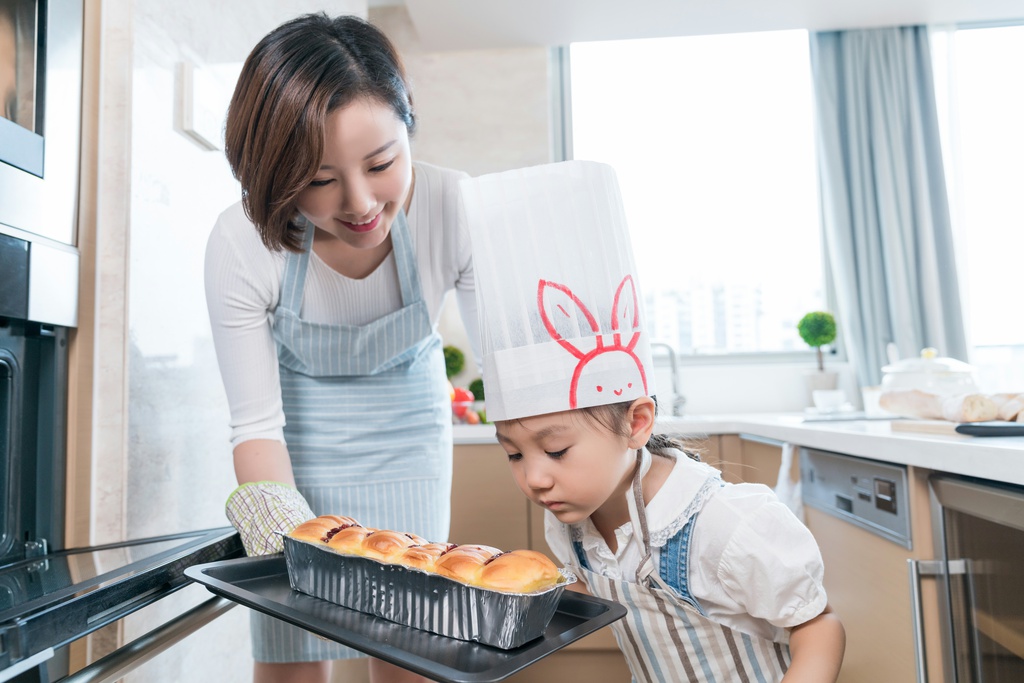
(721, 581)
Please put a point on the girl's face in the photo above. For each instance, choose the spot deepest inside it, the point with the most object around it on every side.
(567, 463)
(365, 177)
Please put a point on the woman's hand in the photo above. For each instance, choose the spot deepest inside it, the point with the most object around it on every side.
(816, 648)
(266, 503)
(263, 510)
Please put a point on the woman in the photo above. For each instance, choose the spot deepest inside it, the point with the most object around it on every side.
(324, 286)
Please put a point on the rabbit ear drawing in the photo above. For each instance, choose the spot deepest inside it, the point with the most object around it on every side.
(625, 311)
(560, 310)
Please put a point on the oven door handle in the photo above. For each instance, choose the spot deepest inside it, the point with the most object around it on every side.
(123, 660)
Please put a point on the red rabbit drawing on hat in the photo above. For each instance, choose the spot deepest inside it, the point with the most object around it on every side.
(590, 380)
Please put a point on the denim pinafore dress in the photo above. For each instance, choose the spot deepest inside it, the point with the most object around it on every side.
(367, 423)
(664, 636)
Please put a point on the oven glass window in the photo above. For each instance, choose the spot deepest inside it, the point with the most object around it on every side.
(987, 599)
(19, 62)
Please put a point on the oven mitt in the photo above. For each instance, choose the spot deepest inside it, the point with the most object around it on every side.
(260, 509)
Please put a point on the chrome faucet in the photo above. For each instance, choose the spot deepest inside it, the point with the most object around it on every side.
(678, 400)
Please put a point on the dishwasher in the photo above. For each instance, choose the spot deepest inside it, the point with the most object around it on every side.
(860, 514)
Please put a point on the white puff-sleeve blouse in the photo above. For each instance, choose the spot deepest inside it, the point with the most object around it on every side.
(753, 565)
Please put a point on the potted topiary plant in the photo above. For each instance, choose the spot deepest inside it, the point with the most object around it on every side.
(818, 329)
(454, 360)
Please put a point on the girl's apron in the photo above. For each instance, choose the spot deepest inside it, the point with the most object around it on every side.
(664, 635)
(368, 423)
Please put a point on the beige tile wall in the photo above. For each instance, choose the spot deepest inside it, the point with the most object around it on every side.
(480, 111)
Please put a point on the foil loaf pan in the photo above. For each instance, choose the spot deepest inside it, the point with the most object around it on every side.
(415, 598)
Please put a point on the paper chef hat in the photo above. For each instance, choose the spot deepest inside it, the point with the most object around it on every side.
(557, 294)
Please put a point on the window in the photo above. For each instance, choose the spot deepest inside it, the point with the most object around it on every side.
(712, 138)
(978, 72)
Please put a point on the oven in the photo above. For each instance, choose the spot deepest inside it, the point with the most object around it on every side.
(979, 535)
(51, 595)
(40, 101)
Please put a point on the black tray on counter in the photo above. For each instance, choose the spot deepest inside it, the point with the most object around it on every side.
(995, 428)
(261, 583)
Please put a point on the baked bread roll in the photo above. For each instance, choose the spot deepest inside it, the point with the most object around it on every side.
(483, 566)
(1011, 406)
(386, 546)
(520, 571)
(465, 562)
(319, 528)
(423, 557)
(348, 539)
(921, 404)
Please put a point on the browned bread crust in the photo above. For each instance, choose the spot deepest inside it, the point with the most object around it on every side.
(519, 571)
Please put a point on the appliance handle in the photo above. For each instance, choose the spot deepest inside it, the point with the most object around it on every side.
(125, 659)
(917, 569)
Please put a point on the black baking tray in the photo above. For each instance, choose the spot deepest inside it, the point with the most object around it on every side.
(261, 583)
(995, 428)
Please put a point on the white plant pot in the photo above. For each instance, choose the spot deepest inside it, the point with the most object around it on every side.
(819, 379)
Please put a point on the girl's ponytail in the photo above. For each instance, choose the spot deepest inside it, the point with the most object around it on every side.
(660, 444)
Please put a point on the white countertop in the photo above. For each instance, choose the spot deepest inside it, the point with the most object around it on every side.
(995, 458)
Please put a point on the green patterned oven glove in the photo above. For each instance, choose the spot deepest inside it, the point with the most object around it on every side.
(260, 509)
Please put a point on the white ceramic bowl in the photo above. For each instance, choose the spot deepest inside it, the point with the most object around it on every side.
(941, 376)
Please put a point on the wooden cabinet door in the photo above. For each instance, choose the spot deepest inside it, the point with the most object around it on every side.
(487, 506)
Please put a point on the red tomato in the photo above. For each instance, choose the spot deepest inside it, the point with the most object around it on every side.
(463, 395)
(460, 408)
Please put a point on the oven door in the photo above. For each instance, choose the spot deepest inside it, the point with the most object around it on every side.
(48, 601)
(979, 528)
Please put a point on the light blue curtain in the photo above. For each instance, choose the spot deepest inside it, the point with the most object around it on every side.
(884, 205)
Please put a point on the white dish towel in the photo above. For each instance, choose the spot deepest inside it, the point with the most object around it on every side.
(786, 489)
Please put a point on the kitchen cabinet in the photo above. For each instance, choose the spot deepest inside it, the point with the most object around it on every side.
(487, 506)
(752, 460)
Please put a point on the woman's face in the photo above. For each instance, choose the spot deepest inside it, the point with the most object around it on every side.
(566, 463)
(365, 175)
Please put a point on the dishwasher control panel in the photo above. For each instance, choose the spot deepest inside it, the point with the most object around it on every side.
(867, 493)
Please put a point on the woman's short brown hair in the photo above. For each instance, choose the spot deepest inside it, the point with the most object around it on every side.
(291, 81)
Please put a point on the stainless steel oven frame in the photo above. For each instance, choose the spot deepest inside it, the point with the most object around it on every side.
(46, 203)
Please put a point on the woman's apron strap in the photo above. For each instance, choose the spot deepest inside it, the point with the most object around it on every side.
(293, 283)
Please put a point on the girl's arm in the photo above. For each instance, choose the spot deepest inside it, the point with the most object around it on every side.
(816, 648)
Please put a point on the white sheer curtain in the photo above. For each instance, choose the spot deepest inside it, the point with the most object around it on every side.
(884, 205)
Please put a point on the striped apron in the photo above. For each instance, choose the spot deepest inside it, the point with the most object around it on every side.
(664, 636)
(368, 424)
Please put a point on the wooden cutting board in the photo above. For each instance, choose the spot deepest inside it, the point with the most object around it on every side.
(995, 428)
(927, 426)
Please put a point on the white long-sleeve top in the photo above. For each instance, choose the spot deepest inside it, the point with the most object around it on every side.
(243, 285)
